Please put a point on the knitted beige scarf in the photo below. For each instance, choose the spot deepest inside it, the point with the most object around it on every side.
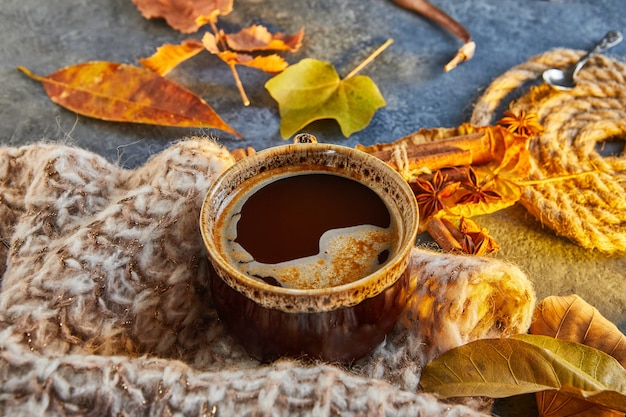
(105, 307)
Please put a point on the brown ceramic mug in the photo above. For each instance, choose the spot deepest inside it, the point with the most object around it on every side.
(279, 295)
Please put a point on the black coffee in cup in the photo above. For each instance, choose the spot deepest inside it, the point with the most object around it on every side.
(308, 230)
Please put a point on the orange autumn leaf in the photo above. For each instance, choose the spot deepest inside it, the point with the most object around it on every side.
(186, 16)
(511, 154)
(168, 56)
(269, 63)
(496, 184)
(258, 38)
(476, 240)
(571, 318)
(231, 49)
(272, 64)
(125, 93)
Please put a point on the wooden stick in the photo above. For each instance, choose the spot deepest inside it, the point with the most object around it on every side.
(370, 58)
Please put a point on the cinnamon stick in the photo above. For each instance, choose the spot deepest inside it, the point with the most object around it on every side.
(472, 149)
(441, 234)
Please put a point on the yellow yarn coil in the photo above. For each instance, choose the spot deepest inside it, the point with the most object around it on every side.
(588, 209)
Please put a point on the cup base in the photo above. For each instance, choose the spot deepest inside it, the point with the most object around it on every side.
(342, 335)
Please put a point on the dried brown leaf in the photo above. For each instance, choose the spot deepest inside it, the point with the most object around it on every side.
(271, 64)
(571, 318)
(186, 16)
(258, 38)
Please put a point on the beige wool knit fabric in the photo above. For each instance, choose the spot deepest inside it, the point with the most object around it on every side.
(105, 307)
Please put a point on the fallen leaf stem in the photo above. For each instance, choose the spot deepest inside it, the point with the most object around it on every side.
(465, 53)
(239, 84)
(29, 74)
(218, 36)
(369, 59)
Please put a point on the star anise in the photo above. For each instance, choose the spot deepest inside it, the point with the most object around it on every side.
(430, 195)
(476, 241)
(466, 238)
(477, 193)
(522, 123)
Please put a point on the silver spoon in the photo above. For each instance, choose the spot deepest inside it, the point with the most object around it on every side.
(565, 79)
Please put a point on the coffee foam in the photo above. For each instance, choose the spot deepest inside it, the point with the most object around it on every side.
(345, 255)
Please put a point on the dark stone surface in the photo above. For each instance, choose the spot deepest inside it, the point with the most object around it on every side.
(45, 36)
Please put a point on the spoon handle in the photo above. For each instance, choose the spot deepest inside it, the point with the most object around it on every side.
(612, 38)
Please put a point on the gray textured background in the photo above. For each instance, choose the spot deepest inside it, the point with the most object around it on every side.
(47, 35)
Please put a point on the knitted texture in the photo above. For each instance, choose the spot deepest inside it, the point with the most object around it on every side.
(105, 307)
(588, 209)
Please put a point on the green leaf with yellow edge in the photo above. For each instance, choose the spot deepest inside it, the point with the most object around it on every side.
(524, 364)
(312, 90)
(125, 93)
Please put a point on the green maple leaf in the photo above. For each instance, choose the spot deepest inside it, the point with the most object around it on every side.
(312, 90)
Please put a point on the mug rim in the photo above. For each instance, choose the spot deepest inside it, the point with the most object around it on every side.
(243, 283)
